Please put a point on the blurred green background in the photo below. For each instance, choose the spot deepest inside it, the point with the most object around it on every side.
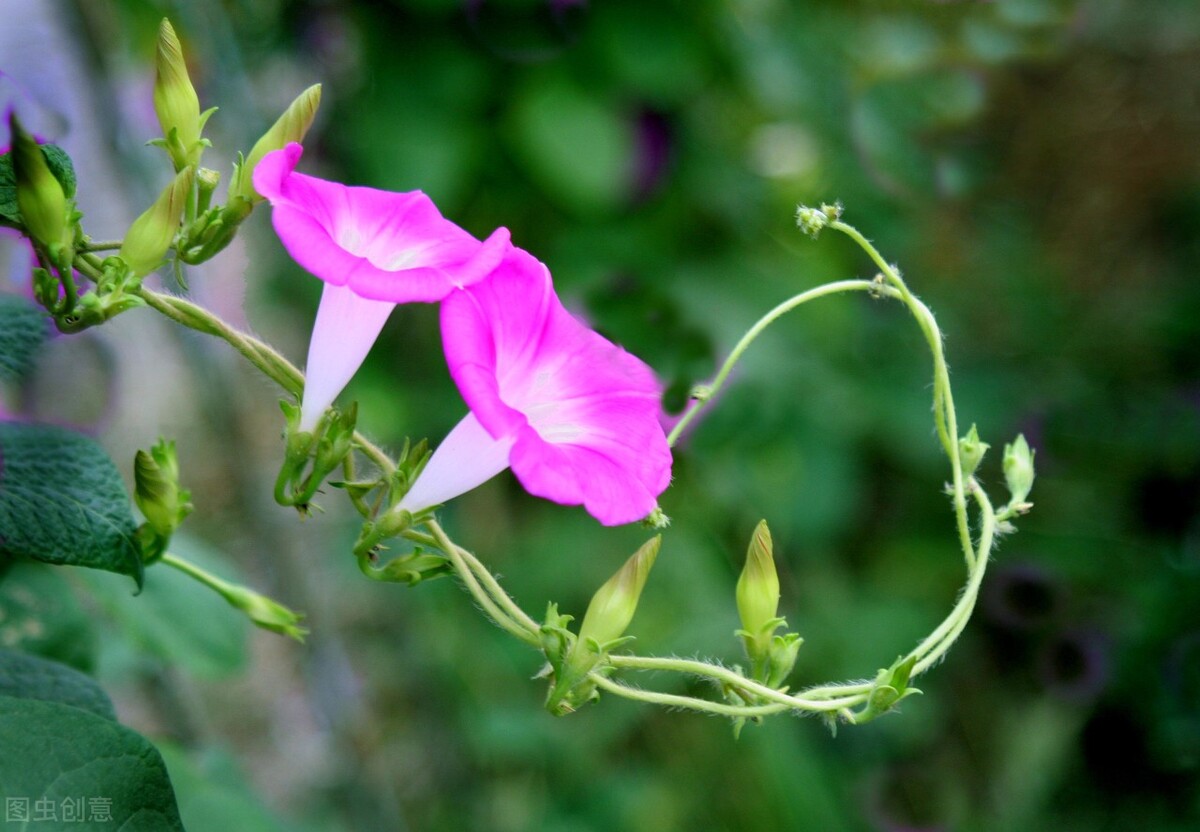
(1034, 168)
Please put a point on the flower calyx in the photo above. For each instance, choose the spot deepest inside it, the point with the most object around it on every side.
(311, 456)
(213, 230)
(114, 293)
(159, 497)
(411, 568)
(891, 685)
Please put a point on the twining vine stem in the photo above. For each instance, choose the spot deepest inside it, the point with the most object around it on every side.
(834, 699)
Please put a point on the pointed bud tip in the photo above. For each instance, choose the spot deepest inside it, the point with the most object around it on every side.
(614, 604)
(758, 585)
(40, 196)
(1019, 469)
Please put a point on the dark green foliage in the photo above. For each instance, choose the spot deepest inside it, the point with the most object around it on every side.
(63, 502)
(22, 331)
(56, 752)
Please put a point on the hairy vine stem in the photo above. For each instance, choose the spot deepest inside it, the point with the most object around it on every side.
(839, 700)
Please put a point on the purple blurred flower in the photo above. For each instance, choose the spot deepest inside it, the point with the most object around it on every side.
(574, 416)
(374, 249)
(1075, 665)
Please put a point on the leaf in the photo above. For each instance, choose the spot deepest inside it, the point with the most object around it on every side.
(175, 618)
(29, 677)
(39, 615)
(62, 759)
(63, 502)
(213, 793)
(22, 331)
(60, 165)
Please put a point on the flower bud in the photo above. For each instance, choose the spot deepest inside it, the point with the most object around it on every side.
(157, 492)
(758, 592)
(613, 605)
(149, 238)
(571, 659)
(265, 612)
(971, 451)
(175, 100)
(1018, 469)
(40, 196)
(811, 220)
(292, 126)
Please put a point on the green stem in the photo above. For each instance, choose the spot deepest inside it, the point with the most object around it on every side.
(721, 674)
(526, 630)
(193, 571)
(508, 615)
(484, 575)
(671, 700)
(101, 245)
(943, 401)
(936, 645)
(262, 356)
(756, 330)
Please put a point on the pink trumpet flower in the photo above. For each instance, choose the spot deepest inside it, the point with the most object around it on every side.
(573, 415)
(374, 249)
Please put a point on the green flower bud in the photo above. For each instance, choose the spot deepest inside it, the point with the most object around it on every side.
(292, 126)
(175, 100)
(572, 658)
(811, 220)
(157, 492)
(758, 593)
(44, 207)
(613, 605)
(149, 238)
(1018, 470)
(971, 451)
(265, 612)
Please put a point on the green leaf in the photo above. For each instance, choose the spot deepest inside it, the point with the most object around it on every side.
(63, 760)
(63, 502)
(29, 677)
(60, 165)
(39, 615)
(213, 793)
(22, 331)
(175, 618)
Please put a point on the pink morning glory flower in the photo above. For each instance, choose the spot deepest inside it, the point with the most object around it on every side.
(374, 249)
(573, 415)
